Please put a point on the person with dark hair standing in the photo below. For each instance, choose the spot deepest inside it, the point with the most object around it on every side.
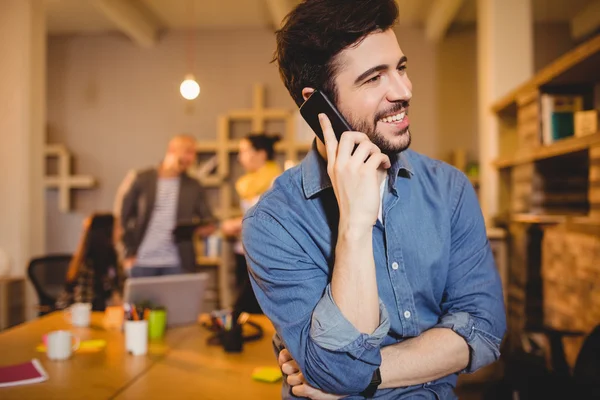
(94, 275)
(256, 155)
(371, 260)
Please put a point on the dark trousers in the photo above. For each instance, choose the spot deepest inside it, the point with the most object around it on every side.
(246, 300)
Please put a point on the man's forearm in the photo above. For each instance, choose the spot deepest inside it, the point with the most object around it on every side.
(354, 283)
(434, 354)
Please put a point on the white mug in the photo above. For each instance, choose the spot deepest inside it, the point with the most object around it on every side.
(136, 337)
(79, 314)
(60, 345)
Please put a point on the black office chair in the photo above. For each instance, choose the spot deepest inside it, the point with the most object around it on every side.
(48, 275)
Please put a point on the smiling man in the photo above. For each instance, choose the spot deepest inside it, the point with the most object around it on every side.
(371, 260)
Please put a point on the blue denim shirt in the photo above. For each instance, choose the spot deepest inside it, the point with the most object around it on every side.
(433, 263)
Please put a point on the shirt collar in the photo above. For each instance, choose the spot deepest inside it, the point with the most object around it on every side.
(315, 178)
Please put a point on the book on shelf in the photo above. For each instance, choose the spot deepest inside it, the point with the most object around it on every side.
(557, 112)
(586, 123)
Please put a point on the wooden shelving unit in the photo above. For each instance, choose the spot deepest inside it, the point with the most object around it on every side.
(524, 161)
(545, 187)
(539, 218)
(221, 180)
(579, 66)
(556, 149)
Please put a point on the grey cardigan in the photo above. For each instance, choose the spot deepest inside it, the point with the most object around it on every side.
(138, 203)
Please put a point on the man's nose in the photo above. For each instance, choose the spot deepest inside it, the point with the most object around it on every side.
(400, 89)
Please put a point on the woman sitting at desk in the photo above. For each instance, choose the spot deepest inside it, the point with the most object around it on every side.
(94, 275)
(257, 153)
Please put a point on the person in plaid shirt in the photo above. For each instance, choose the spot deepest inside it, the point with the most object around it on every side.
(94, 274)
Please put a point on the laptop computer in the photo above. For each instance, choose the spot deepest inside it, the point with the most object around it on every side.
(181, 295)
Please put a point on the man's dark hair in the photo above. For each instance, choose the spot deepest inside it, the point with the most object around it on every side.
(316, 31)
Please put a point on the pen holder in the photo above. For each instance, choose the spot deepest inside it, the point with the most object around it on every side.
(136, 337)
(232, 339)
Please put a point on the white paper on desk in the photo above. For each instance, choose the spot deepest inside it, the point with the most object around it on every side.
(22, 374)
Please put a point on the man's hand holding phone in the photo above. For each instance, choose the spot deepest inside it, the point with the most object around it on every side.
(357, 168)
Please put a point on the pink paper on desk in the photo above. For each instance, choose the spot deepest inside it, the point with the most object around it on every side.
(22, 374)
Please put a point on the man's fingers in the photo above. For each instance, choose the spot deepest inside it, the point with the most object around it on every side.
(300, 390)
(348, 142)
(364, 150)
(290, 367)
(295, 379)
(284, 356)
(379, 160)
(331, 142)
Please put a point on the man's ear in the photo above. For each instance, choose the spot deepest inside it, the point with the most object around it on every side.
(306, 92)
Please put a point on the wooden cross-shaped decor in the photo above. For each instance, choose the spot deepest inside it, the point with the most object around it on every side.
(215, 172)
(64, 181)
(258, 115)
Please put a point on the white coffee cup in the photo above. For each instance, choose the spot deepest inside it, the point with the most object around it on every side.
(136, 337)
(60, 346)
(79, 314)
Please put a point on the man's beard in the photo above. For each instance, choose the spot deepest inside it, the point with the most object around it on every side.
(378, 138)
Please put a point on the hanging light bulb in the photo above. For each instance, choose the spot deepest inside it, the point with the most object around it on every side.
(189, 88)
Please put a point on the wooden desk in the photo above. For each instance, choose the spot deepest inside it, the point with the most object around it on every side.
(194, 369)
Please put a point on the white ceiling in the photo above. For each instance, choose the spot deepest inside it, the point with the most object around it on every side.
(82, 16)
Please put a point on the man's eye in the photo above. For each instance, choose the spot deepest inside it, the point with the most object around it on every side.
(402, 68)
(373, 79)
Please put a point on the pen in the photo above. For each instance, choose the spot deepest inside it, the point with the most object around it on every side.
(135, 314)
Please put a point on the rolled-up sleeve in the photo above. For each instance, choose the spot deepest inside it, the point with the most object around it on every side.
(332, 331)
(473, 303)
(293, 291)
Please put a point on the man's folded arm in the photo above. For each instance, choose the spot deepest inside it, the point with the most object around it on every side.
(293, 291)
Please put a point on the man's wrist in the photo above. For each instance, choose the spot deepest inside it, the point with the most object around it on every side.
(354, 231)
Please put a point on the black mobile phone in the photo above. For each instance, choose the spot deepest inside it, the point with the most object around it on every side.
(318, 103)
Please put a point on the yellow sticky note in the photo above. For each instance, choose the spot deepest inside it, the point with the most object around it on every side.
(86, 346)
(266, 374)
(90, 345)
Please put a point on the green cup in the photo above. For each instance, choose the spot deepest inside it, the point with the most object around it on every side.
(157, 323)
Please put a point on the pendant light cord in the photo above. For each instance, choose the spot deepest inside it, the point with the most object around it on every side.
(191, 39)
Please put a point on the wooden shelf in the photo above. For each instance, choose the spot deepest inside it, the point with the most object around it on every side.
(579, 66)
(208, 261)
(496, 233)
(206, 147)
(585, 220)
(539, 218)
(558, 148)
(232, 146)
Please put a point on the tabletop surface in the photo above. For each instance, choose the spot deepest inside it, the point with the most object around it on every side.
(182, 365)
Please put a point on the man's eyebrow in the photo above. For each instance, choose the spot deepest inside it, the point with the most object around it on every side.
(370, 71)
(377, 68)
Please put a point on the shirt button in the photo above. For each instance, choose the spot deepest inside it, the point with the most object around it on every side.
(407, 314)
(394, 265)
